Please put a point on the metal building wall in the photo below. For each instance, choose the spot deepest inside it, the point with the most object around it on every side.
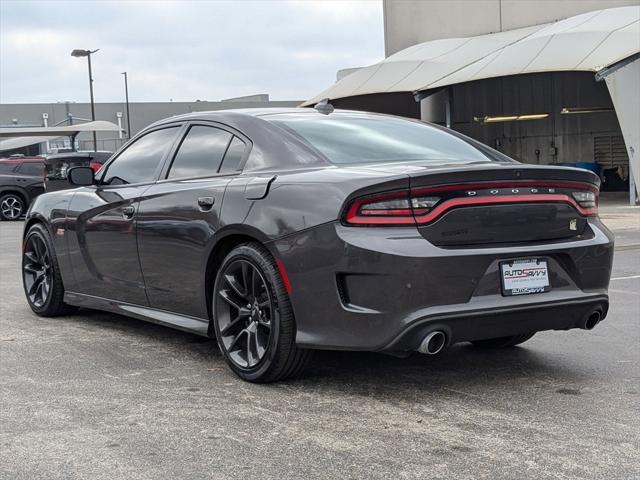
(558, 138)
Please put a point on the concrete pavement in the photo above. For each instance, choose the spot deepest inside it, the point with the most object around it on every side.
(101, 396)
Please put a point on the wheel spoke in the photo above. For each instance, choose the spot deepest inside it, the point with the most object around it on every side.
(251, 358)
(246, 280)
(45, 287)
(36, 284)
(232, 281)
(242, 314)
(265, 323)
(28, 267)
(38, 295)
(224, 294)
(256, 344)
(31, 256)
(256, 283)
(36, 251)
(236, 338)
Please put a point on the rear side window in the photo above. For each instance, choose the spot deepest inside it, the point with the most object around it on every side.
(200, 153)
(138, 163)
(7, 167)
(32, 168)
(233, 157)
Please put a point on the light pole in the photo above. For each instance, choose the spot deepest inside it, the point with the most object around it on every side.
(87, 53)
(126, 96)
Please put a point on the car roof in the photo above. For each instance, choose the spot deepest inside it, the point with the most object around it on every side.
(22, 160)
(85, 154)
(222, 115)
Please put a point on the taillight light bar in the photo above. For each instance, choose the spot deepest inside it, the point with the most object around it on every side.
(422, 206)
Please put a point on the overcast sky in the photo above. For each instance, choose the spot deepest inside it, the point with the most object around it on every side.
(183, 50)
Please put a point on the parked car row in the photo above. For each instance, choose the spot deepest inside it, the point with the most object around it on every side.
(24, 178)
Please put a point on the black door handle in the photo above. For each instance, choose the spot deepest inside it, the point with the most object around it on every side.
(205, 203)
(128, 212)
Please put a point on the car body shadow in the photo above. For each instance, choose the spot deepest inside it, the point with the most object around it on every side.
(460, 369)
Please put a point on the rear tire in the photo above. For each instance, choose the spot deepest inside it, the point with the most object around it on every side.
(12, 207)
(41, 277)
(253, 318)
(503, 342)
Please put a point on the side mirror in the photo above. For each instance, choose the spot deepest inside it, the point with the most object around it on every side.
(80, 176)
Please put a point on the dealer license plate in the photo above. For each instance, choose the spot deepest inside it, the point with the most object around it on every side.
(526, 276)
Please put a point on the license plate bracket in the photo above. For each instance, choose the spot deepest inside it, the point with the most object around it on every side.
(524, 276)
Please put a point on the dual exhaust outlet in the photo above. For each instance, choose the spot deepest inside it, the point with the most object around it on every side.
(592, 319)
(435, 341)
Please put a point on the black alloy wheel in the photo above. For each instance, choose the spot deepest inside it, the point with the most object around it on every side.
(11, 207)
(41, 275)
(36, 271)
(245, 313)
(253, 319)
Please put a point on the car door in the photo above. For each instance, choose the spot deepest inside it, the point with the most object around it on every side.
(102, 244)
(181, 213)
(30, 177)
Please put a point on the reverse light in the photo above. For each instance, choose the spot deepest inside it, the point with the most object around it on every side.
(393, 206)
(396, 208)
(586, 199)
(422, 205)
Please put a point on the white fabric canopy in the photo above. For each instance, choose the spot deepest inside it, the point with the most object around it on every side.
(624, 88)
(54, 132)
(587, 42)
(20, 142)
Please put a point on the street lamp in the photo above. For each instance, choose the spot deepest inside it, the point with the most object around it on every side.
(87, 53)
(126, 95)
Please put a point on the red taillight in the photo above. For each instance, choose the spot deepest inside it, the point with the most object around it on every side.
(95, 166)
(425, 205)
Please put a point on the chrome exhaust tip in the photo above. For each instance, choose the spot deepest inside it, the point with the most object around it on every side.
(433, 343)
(592, 319)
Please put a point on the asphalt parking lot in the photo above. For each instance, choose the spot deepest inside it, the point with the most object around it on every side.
(102, 396)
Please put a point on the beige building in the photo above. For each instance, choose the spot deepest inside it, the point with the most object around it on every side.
(546, 82)
(408, 22)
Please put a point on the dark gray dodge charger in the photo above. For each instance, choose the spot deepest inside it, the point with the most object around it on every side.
(278, 232)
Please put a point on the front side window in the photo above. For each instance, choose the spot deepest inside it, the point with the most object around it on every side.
(138, 163)
(200, 153)
(362, 138)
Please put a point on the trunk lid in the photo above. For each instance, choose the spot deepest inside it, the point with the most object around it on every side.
(502, 204)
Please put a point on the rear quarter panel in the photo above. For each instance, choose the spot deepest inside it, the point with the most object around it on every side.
(298, 200)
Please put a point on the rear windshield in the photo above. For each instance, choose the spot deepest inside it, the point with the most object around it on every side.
(361, 138)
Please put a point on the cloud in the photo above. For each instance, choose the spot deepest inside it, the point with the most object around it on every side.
(183, 50)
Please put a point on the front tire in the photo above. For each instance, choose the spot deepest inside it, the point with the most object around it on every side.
(253, 319)
(12, 207)
(41, 277)
(503, 342)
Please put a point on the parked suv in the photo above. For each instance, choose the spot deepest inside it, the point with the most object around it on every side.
(21, 180)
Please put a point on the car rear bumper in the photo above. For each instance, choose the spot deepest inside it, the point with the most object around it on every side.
(383, 289)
